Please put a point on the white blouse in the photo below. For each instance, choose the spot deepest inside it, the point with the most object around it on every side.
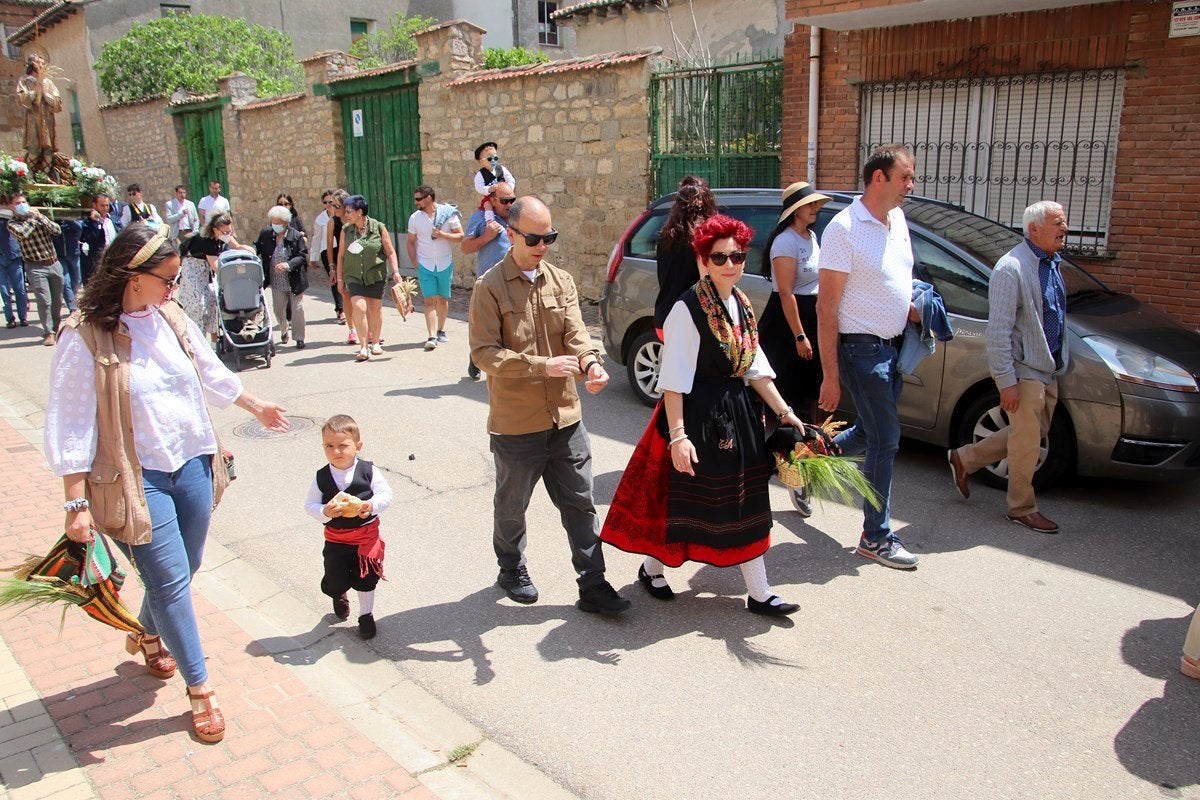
(381, 493)
(167, 395)
(681, 348)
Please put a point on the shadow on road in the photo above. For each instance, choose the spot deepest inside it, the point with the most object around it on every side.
(1161, 742)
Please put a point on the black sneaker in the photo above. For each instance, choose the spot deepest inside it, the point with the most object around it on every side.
(366, 626)
(800, 502)
(472, 371)
(601, 598)
(517, 584)
(341, 607)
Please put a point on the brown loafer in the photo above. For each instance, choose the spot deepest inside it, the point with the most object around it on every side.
(959, 473)
(1035, 522)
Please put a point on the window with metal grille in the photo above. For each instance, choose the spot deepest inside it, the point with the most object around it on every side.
(997, 145)
(76, 125)
(547, 28)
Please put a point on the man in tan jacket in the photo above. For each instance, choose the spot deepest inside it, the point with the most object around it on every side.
(528, 336)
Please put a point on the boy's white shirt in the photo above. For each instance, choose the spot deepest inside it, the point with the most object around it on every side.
(342, 477)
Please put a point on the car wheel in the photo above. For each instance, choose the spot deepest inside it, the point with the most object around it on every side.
(1056, 453)
(645, 355)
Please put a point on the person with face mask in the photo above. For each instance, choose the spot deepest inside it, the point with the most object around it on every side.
(284, 256)
(196, 292)
(35, 234)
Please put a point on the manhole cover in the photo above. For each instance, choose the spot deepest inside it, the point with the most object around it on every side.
(254, 430)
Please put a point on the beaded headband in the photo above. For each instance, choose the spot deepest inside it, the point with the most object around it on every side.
(149, 248)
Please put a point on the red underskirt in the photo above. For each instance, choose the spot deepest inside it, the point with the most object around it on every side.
(637, 519)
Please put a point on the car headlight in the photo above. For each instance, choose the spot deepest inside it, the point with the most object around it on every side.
(1139, 365)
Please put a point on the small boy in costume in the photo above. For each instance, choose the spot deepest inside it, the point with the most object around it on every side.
(348, 495)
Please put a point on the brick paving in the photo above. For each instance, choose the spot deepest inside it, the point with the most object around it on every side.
(126, 733)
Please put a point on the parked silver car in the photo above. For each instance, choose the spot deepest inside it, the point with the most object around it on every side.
(1129, 405)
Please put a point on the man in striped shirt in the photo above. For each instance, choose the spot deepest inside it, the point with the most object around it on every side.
(34, 233)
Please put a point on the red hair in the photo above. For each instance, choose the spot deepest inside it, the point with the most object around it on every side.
(720, 227)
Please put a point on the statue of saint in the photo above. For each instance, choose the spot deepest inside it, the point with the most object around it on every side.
(38, 95)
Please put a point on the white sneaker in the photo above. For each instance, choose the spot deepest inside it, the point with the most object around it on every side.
(376, 350)
(430, 343)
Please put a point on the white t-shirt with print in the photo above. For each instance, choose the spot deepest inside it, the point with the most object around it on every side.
(433, 254)
(878, 262)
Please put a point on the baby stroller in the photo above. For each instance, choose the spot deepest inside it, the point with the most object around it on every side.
(245, 326)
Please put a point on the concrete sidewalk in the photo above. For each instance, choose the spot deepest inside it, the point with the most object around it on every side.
(80, 719)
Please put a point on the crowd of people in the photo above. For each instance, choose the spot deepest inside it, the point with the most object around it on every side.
(696, 486)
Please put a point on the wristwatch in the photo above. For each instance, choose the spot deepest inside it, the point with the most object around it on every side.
(800, 337)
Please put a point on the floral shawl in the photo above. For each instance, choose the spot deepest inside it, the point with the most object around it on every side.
(738, 341)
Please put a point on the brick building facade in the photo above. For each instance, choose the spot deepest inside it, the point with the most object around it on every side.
(1119, 92)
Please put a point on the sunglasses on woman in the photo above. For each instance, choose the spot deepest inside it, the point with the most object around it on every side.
(534, 239)
(737, 257)
(171, 283)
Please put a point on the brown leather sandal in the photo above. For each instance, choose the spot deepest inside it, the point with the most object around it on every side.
(159, 661)
(208, 723)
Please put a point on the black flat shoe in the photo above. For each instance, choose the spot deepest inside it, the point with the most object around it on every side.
(768, 610)
(366, 626)
(657, 592)
(341, 606)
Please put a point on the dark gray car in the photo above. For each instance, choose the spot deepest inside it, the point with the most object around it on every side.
(1129, 404)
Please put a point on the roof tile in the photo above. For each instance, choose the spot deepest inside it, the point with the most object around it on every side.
(554, 67)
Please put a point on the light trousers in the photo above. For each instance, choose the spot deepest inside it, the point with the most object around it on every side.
(280, 301)
(1019, 443)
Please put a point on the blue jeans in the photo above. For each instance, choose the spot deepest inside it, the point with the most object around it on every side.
(66, 245)
(12, 283)
(871, 375)
(180, 509)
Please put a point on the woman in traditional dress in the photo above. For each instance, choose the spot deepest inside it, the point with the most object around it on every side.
(696, 486)
(196, 293)
(133, 440)
(677, 268)
(365, 257)
(788, 331)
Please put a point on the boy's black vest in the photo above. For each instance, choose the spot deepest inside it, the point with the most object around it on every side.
(359, 486)
(490, 177)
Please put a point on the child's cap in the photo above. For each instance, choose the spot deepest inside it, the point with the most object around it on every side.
(479, 150)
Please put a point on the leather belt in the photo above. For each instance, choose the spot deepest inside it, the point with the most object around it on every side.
(30, 261)
(870, 338)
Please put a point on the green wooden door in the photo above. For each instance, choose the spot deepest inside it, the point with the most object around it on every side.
(383, 151)
(204, 139)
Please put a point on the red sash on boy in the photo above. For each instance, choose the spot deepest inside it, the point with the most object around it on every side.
(370, 546)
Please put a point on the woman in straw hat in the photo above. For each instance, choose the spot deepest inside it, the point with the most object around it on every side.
(129, 431)
(788, 330)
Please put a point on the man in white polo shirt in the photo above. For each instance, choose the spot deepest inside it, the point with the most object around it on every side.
(864, 301)
(431, 229)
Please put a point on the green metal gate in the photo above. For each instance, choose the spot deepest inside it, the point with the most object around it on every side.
(204, 141)
(381, 131)
(724, 123)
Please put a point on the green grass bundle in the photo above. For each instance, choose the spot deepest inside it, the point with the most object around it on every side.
(827, 477)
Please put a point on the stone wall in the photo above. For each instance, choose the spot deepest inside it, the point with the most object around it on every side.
(576, 134)
(290, 144)
(144, 149)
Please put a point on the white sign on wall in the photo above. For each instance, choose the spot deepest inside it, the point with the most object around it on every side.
(1185, 18)
(356, 121)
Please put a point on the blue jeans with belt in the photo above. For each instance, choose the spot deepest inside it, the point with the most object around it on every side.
(180, 509)
(66, 244)
(870, 373)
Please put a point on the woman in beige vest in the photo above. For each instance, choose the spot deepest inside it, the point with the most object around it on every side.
(128, 430)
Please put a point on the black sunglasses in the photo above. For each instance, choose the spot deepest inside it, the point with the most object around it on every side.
(171, 283)
(737, 257)
(419, 198)
(506, 201)
(534, 239)
(493, 159)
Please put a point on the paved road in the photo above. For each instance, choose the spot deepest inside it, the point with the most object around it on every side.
(1009, 665)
